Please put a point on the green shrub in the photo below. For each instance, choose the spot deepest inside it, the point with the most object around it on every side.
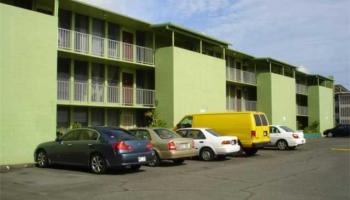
(155, 121)
(313, 128)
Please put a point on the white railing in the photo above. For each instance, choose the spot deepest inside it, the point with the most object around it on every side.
(144, 55)
(301, 89)
(302, 110)
(113, 49)
(63, 90)
(97, 92)
(98, 45)
(80, 91)
(81, 42)
(64, 38)
(128, 96)
(237, 75)
(113, 94)
(145, 97)
(250, 105)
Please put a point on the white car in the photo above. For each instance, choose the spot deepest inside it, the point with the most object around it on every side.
(210, 144)
(285, 138)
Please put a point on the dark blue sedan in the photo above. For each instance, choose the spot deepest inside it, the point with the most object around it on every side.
(99, 148)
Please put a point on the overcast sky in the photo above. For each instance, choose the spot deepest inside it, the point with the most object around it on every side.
(310, 33)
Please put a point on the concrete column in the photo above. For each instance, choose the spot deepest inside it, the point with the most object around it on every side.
(105, 43)
(71, 81)
(106, 85)
(56, 7)
(72, 39)
(223, 53)
(89, 81)
(90, 34)
(172, 38)
(200, 46)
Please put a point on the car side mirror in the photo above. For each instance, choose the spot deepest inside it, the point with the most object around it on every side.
(59, 140)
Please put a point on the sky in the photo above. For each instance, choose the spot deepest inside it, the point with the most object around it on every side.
(314, 34)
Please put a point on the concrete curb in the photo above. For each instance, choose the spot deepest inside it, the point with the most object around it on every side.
(7, 168)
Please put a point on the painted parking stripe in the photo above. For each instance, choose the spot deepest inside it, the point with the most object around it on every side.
(340, 149)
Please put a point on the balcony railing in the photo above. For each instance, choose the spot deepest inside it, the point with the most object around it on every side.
(301, 89)
(302, 110)
(104, 47)
(126, 96)
(240, 105)
(241, 76)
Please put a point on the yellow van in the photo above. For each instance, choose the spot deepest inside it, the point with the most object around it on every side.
(251, 128)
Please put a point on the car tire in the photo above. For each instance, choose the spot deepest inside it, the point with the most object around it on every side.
(330, 134)
(178, 161)
(155, 160)
(282, 145)
(42, 159)
(207, 154)
(98, 164)
(135, 167)
(250, 151)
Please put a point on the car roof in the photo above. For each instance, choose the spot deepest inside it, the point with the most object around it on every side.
(202, 129)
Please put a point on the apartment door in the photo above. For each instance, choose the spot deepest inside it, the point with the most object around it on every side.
(239, 99)
(128, 93)
(128, 40)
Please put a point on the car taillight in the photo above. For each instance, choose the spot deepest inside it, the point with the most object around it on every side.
(149, 146)
(226, 142)
(171, 145)
(253, 133)
(122, 146)
(296, 136)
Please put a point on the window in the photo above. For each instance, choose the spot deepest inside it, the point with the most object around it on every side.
(213, 133)
(196, 134)
(71, 136)
(165, 133)
(186, 122)
(257, 120)
(141, 134)
(274, 130)
(118, 134)
(287, 129)
(264, 120)
(183, 133)
(88, 135)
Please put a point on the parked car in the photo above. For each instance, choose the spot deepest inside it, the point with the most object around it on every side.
(251, 128)
(340, 130)
(210, 144)
(98, 148)
(285, 138)
(167, 144)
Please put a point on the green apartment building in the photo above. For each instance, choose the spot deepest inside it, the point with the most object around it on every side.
(65, 62)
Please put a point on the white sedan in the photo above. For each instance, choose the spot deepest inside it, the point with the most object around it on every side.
(210, 144)
(285, 138)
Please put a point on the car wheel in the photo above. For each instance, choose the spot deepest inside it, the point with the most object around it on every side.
(42, 159)
(179, 161)
(282, 145)
(207, 154)
(135, 167)
(330, 134)
(251, 151)
(98, 164)
(155, 161)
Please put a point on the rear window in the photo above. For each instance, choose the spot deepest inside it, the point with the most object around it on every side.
(257, 120)
(264, 120)
(118, 134)
(212, 132)
(287, 129)
(166, 133)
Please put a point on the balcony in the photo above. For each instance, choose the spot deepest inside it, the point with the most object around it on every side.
(102, 47)
(240, 76)
(302, 110)
(233, 104)
(301, 89)
(83, 92)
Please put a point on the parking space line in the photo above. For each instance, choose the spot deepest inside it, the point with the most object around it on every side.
(340, 149)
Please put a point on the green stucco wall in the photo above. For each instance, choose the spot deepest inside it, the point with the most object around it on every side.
(188, 82)
(28, 54)
(276, 98)
(320, 107)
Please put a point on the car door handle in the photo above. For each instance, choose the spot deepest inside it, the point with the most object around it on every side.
(69, 144)
(201, 142)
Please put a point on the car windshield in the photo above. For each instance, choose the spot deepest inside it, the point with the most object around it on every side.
(287, 129)
(118, 134)
(165, 133)
(212, 132)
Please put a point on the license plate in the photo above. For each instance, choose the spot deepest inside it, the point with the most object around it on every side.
(142, 159)
(183, 146)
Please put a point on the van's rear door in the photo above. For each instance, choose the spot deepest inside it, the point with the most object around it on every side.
(262, 129)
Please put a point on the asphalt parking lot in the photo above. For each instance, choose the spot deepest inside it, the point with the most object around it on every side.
(318, 170)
